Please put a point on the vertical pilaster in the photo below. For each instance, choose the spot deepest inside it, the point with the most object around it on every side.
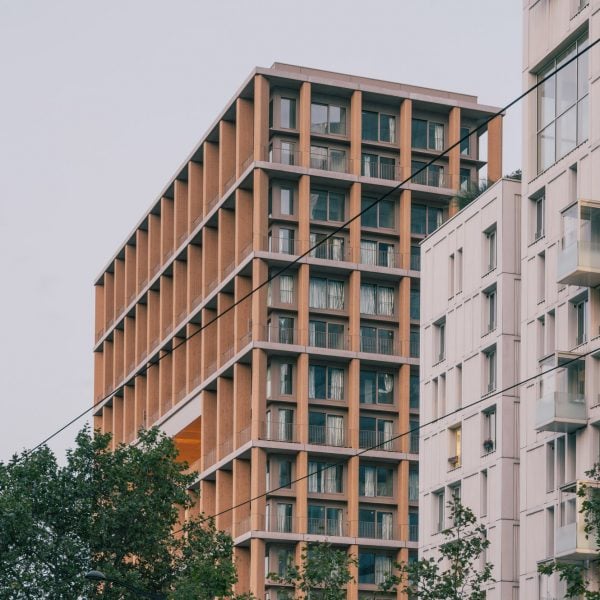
(304, 123)
(261, 117)
(494, 157)
(355, 133)
(453, 157)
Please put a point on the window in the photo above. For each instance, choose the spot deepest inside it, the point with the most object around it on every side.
(581, 321)
(375, 481)
(328, 159)
(489, 430)
(433, 175)
(438, 511)
(465, 178)
(377, 340)
(324, 478)
(287, 113)
(465, 145)
(541, 277)
(327, 119)
(326, 205)
(413, 483)
(326, 293)
(328, 248)
(491, 249)
(563, 106)
(375, 524)
(490, 369)
(415, 304)
(484, 493)
(425, 219)
(373, 165)
(283, 518)
(380, 215)
(286, 289)
(280, 425)
(373, 567)
(459, 270)
(282, 152)
(450, 276)
(376, 299)
(376, 432)
(285, 333)
(455, 450)
(490, 310)
(440, 336)
(538, 219)
(282, 241)
(325, 383)
(285, 473)
(459, 385)
(414, 390)
(286, 201)
(414, 436)
(427, 134)
(324, 520)
(415, 258)
(378, 127)
(325, 429)
(381, 254)
(414, 342)
(376, 387)
(285, 379)
(326, 335)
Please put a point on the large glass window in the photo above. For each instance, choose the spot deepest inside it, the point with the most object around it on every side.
(375, 481)
(377, 340)
(378, 127)
(373, 165)
(327, 118)
(330, 248)
(325, 478)
(380, 215)
(326, 293)
(324, 520)
(425, 219)
(427, 134)
(325, 429)
(381, 254)
(563, 105)
(373, 567)
(326, 205)
(287, 113)
(376, 432)
(326, 335)
(328, 159)
(325, 382)
(285, 379)
(376, 387)
(376, 299)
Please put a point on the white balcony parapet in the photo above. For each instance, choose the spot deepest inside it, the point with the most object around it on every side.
(560, 412)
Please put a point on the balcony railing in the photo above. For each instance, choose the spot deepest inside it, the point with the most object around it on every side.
(377, 440)
(376, 531)
(329, 527)
(281, 335)
(432, 178)
(281, 245)
(414, 442)
(328, 339)
(337, 162)
(326, 436)
(280, 524)
(329, 249)
(560, 412)
(579, 264)
(377, 345)
(279, 431)
(380, 258)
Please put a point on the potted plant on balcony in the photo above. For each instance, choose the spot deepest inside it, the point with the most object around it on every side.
(488, 445)
(454, 461)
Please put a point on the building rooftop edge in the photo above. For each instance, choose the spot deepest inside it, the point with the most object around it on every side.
(305, 74)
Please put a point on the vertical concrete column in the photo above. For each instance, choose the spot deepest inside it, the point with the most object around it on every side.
(494, 149)
(240, 497)
(354, 209)
(226, 246)
(109, 299)
(130, 273)
(303, 214)
(352, 495)
(141, 243)
(166, 305)
(301, 521)
(194, 356)
(118, 357)
(354, 310)
(152, 397)
(128, 413)
(129, 343)
(208, 433)
(302, 398)
(165, 377)
(208, 493)
(224, 416)
(260, 273)
(403, 347)
(243, 313)
(454, 157)
(355, 133)
(405, 138)
(244, 134)
(243, 224)
(260, 217)
(404, 228)
(224, 329)
(195, 194)
(209, 342)
(194, 275)
(403, 399)
(119, 267)
(242, 400)
(353, 395)
(210, 267)
(180, 270)
(259, 377)
(352, 589)
(258, 466)
(303, 281)
(224, 493)
(99, 323)
(261, 117)
(257, 567)
(107, 420)
(108, 366)
(304, 123)
(210, 187)
(402, 497)
(140, 403)
(180, 211)
(153, 244)
(226, 155)
(179, 369)
(167, 228)
(141, 332)
(241, 558)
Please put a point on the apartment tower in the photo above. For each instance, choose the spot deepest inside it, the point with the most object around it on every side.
(322, 363)
(470, 294)
(560, 328)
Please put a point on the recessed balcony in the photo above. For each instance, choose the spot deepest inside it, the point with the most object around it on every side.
(579, 250)
(570, 541)
(560, 412)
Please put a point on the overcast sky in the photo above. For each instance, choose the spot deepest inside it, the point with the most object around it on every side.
(101, 101)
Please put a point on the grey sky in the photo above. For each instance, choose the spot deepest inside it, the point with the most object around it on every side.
(100, 103)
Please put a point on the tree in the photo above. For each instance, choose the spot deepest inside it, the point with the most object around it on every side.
(453, 575)
(323, 573)
(575, 576)
(114, 511)
(472, 190)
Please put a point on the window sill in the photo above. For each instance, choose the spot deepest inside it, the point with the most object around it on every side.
(485, 454)
(536, 240)
(489, 271)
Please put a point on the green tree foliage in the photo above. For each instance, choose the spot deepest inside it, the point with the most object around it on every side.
(471, 191)
(322, 574)
(112, 511)
(575, 576)
(454, 573)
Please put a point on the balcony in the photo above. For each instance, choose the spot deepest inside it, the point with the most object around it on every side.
(377, 440)
(326, 527)
(323, 435)
(560, 412)
(570, 541)
(579, 251)
(278, 431)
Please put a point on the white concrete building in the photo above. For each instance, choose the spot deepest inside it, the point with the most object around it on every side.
(470, 289)
(560, 240)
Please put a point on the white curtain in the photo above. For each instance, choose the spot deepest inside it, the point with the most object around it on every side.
(337, 248)
(318, 293)
(312, 392)
(335, 430)
(285, 424)
(370, 481)
(386, 526)
(286, 289)
(385, 301)
(385, 381)
(440, 182)
(367, 299)
(329, 480)
(390, 262)
(438, 135)
(387, 435)
(334, 526)
(312, 333)
(313, 477)
(268, 425)
(368, 252)
(283, 521)
(336, 384)
(383, 567)
(392, 126)
(368, 391)
(335, 293)
(269, 388)
(269, 292)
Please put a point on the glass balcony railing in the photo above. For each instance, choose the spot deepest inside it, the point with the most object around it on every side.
(560, 412)
(579, 264)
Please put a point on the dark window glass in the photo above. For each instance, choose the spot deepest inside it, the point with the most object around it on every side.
(387, 131)
(369, 125)
(285, 473)
(419, 133)
(418, 218)
(336, 206)
(465, 145)
(414, 390)
(367, 387)
(386, 214)
(318, 205)
(366, 567)
(288, 113)
(368, 218)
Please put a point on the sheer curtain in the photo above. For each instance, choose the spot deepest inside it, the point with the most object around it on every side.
(336, 384)
(313, 477)
(334, 524)
(385, 301)
(367, 299)
(335, 430)
(386, 387)
(438, 135)
(337, 248)
(383, 567)
(386, 435)
(286, 289)
(329, 480)
(269, 388)
(318, 293)
(368, 252)
(335, 293)
(370, 481)
(386, 526)
(311, 383)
